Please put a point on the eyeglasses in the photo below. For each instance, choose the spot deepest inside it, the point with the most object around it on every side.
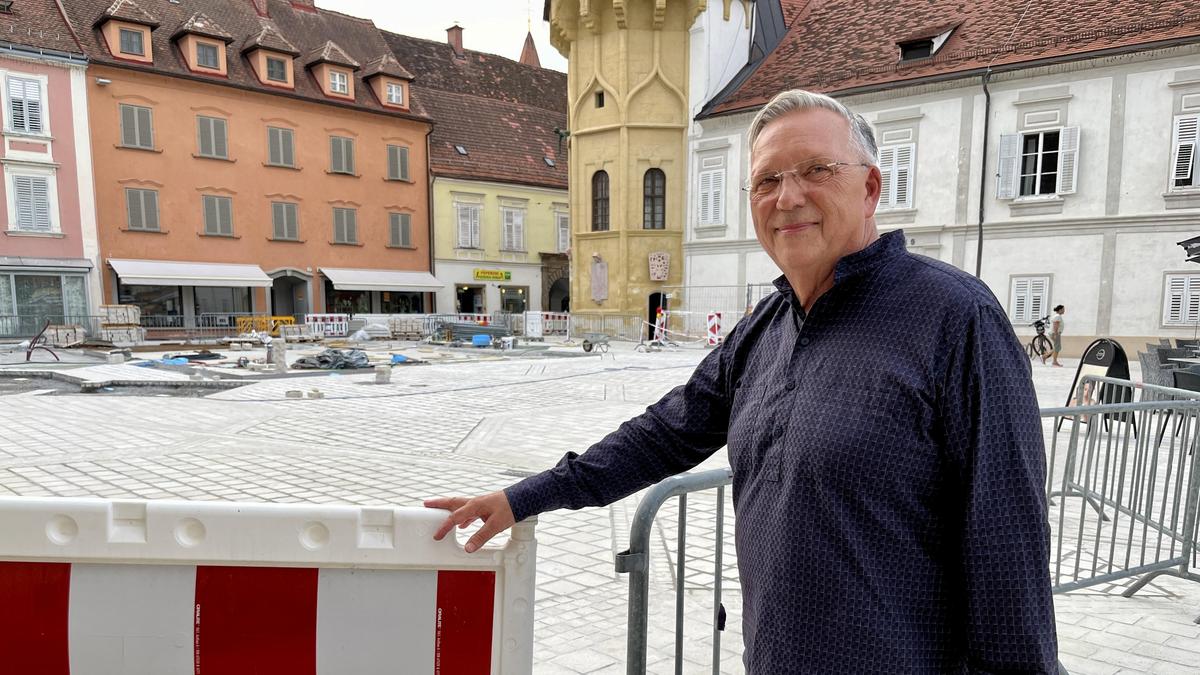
(807, 173)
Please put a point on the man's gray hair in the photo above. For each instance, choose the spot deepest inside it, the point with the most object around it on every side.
(862, 138)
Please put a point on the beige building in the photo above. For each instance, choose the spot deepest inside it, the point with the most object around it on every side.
(628, 111)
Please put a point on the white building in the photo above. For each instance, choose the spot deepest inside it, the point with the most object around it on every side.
(1072, 135)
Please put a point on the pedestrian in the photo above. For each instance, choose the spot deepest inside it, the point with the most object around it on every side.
(1056, 331)
(888, 486)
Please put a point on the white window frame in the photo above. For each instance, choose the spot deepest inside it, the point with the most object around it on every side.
(562, 225)
(348, 225)
(284, 208)
(43, 112)
(512, 226)
(49, 174)
(339, 82)
(710, 206)
(467, 219)
(395, 93)
(896, 168)
(282, 64)
(1008, 184)
(141, 196)
(399, 224)
(1185, 158)
(1181, 299)
(1028, 298)
(216, 56)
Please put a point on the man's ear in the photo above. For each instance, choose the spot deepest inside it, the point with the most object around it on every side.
(874, 188)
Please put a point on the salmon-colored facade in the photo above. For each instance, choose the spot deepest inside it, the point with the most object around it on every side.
(181, 177)
(256, 158)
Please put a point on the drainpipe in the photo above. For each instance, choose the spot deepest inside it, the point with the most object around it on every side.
(987, 116)
(429, 211)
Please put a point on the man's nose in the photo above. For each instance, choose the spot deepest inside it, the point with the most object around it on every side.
(791, 193)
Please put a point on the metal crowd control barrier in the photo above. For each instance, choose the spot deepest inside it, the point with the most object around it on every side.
(188, 587)
(1132, 465)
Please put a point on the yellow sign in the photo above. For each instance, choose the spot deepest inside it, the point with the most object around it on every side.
(492, 275)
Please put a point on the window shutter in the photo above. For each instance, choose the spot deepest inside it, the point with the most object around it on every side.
(40, 188)
(205, 131)
(717, 201)
(220, 145)
(274, 146)
(1173, 307)
(887, 173)
(348, 154)
(1183, 154)
(211, 224)
(464, 227)
(1037, 298)
(16, 104)
(135, 218)
(519, 230)
(145, 129)
(25, 104)
(475, 238)
(32, 202)
(905, 155)
(1068, 160)
(150, 209)
(129, 135)
(403, 163)
(351, 226)
(23, 186)
(1010, 156)
(1020, 299)
(335, 154)
(277, 223)
(564, 232)
(1192, 306)
(705, 197)
(406, 229)
(287, 138)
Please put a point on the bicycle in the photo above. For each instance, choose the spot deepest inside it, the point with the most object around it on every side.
(1039, 345)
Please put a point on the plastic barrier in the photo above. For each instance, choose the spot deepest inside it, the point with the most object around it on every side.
(185, 588)
(329, 325)
(714, 329)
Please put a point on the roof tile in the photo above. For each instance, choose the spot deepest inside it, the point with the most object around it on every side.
(199, 24)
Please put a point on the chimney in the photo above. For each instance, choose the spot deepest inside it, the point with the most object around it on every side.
(260, 7)
(303, 5)
(454, 39)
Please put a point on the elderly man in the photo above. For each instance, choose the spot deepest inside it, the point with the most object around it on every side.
(888, 487)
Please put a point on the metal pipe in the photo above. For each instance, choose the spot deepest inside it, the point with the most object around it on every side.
(717, 574)
(987, 115)
(680, 574)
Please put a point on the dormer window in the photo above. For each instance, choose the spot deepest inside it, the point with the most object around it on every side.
(395, 93)
(276, 69)
(131, 42)
(917, 49)
(924, 44)
(208, 56)
(339, 83)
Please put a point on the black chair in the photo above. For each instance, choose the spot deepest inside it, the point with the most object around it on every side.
(1187, 344)
(1166, 354)
(1166, 342)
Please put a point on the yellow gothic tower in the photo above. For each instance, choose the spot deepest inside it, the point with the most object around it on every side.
(627, 85)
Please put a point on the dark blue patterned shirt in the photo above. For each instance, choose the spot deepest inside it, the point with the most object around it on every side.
(888, 473)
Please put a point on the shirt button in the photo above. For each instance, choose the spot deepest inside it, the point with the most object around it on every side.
(790, 386)
(778, 432)
(804, 342)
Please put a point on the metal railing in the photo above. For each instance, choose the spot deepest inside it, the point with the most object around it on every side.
(621, 326)
(207, 326)
(25, 326)
(1133, 467)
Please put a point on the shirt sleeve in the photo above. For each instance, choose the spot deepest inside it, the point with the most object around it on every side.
(673, 435)
(994, 434)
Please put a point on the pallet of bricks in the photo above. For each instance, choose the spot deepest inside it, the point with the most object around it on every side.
(405, 329)
(122, 324)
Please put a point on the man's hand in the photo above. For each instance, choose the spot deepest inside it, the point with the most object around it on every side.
(493, 508)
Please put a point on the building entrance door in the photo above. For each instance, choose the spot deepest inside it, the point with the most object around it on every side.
(657, 301)
(469, 300)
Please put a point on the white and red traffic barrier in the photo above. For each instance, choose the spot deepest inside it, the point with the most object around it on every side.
(329, 325)
(163, 588)
(714, 329)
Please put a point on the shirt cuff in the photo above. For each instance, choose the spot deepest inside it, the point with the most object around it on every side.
(534, 495)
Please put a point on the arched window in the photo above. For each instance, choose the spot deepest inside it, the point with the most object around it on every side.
(654, 200)
(600, 201)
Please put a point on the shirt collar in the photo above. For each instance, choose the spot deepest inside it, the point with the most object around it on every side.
(878, 252)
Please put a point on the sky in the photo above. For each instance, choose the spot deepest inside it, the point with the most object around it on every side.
(494, 26)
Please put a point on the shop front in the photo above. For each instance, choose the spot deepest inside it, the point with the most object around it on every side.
(472, 289)
(34, 292)
(367, 291)
(186, 295)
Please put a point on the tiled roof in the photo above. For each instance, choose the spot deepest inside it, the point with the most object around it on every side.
(198, 24)
(330, 52)
(128, 10)
(502, 112)
(505, 142)
(386, 65)
(299, 31)
(38, 23)
(269, 38)
(835, 46)
(434, 66)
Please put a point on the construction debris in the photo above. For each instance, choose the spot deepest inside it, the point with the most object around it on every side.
(334, 359)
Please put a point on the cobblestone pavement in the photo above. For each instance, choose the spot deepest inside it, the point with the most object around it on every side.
(469, 426)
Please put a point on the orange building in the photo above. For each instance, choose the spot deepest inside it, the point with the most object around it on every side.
(257, 156)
